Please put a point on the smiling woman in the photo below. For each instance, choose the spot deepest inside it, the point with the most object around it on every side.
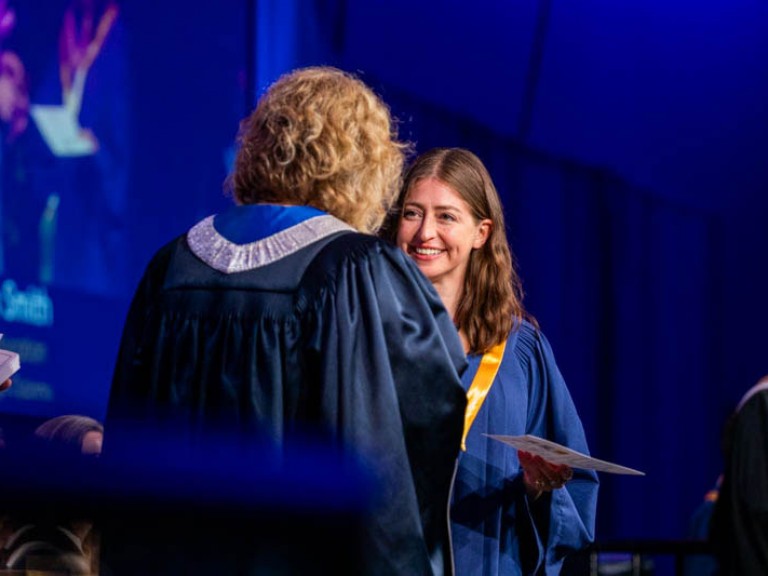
(512, 513)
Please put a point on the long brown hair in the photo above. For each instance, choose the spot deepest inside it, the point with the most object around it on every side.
(492, 300)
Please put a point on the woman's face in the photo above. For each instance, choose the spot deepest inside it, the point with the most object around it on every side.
(438, 231)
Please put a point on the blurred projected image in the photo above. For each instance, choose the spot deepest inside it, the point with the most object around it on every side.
(63, 171)
(64, 159)
(94, 94)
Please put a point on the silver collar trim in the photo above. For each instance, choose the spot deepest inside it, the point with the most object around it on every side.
(225, 256)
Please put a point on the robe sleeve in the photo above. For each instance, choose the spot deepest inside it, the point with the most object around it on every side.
(388, 348)
(132, 377)
(564, 520)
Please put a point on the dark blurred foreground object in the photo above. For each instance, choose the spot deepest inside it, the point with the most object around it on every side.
(739, 525)
(163, 509)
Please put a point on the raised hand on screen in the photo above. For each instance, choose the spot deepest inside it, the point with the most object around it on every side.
(85, 27)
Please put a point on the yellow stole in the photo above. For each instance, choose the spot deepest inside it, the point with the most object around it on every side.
(481, 385)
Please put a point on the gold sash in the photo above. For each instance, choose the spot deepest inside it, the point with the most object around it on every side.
(481, 385)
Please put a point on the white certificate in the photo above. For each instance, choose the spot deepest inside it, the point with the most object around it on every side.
(61, 131)
(9, 364)
(559, 454)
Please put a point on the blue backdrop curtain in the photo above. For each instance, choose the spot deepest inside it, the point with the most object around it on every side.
(625, 284)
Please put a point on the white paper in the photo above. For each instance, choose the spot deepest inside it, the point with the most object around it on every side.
(9, 364)
(61, 130)
(559, 454)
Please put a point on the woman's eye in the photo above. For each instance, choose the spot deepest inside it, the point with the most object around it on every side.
(409, 214)
(448, 217)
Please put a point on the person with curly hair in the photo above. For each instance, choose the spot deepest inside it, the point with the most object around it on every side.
(287, 316)
(512, 512)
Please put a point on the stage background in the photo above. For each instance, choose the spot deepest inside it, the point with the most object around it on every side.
(628, 141)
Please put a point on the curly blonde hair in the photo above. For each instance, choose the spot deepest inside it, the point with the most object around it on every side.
(320, 137)
(492, 300)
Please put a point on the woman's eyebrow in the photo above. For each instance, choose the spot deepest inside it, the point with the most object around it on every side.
(438, 207)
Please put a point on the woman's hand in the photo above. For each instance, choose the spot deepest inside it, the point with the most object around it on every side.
(83, 32)
(540, 476)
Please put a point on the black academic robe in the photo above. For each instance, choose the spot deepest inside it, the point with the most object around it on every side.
(739, 525)
(344, 339)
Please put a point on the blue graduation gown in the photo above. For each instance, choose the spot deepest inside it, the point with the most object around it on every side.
(274, 321)
(496, 529)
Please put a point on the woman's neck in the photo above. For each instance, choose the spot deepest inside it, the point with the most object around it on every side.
(451, 296)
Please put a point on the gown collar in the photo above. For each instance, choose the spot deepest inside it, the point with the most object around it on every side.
(248, 237)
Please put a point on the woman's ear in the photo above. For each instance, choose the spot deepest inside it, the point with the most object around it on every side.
(483, 232)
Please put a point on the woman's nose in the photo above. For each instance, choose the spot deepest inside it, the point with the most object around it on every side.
(426, 229)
